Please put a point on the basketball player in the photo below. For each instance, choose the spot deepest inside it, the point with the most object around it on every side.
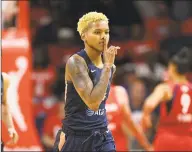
(120, 121)
(175, 96)
(6, 115)
(88, 76)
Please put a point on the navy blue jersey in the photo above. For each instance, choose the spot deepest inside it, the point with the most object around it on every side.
(77, 114)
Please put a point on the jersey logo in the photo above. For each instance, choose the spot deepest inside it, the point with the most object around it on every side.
(93, 71)
(99, 112)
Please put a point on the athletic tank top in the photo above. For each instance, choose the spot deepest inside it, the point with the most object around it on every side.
(176, 115)
(78, 116)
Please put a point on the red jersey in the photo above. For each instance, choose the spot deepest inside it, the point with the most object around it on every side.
(175, 128)
(117, 96)
(176, 115)
(52, 125)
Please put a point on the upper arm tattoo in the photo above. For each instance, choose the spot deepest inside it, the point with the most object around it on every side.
(78, 72)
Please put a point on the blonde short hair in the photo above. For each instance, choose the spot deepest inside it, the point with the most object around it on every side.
(88, 18)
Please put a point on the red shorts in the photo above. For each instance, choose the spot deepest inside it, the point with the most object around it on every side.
(168, 141)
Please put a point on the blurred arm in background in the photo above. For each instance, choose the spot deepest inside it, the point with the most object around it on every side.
(160, 94)
(6, 115)
(128, 123)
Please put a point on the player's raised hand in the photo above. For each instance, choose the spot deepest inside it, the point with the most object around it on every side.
(109, 54)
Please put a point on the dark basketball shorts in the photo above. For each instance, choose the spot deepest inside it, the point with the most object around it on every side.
(96, 140)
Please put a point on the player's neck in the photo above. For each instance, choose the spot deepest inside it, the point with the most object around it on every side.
(180, 79)
(94, 56)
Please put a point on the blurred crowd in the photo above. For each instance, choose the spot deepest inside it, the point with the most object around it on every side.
(148, 32)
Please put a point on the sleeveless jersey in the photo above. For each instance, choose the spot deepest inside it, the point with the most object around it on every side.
(78, 116)
(115, 118)
(176, 115)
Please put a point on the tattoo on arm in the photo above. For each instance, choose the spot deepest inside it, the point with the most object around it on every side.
(92, 95)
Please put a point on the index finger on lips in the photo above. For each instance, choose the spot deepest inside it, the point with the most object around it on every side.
(105, 45)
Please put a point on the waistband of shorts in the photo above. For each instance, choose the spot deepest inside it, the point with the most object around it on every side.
(69, 131)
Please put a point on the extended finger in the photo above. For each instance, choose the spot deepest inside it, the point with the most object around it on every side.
(105, 45)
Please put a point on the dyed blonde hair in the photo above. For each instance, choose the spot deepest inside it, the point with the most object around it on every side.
(88, 18)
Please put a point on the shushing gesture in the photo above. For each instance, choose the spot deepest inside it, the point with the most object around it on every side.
(109, 54)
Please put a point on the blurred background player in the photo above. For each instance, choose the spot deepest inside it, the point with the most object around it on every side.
(120, 120)
(52, 124)
(174, 131)
(6, 115)
(88, 76)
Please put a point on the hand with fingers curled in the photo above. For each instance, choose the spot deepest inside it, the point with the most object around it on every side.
(109, 55)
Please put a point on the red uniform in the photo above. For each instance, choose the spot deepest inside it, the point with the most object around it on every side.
(52, 125)
(175, 128)
(117, 96)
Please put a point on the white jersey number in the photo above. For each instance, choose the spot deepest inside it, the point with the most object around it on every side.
(185, 102)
